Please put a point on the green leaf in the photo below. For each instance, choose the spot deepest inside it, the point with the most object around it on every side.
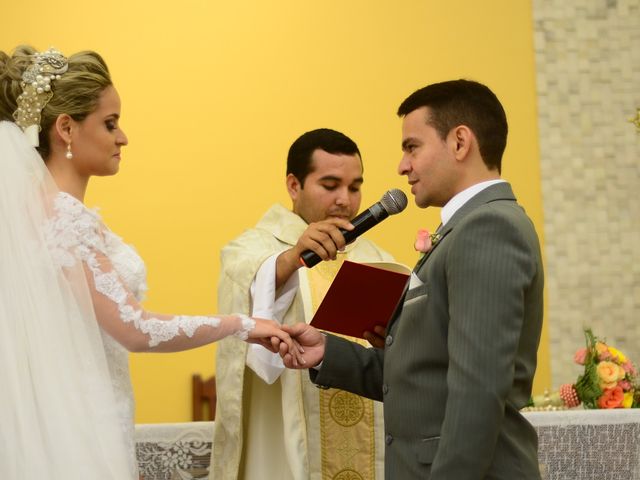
(588, 387)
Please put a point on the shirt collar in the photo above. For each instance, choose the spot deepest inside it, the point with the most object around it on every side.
(463, 197)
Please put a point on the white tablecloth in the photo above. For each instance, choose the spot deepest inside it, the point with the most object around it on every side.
(174, 451)
(573, 445)
(588, 444)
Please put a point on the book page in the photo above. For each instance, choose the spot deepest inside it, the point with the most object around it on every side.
(390, 266)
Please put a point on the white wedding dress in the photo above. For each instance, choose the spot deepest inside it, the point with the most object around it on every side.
(73, 216)
(117, 274)
(70, 292)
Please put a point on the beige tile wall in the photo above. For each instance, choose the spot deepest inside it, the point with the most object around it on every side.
(588, 80)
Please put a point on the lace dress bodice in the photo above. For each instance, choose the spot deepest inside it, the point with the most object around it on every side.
(116, 277)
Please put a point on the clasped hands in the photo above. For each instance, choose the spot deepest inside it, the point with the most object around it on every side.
(300, 345)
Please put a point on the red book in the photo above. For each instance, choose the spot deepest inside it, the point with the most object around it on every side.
(361, 296)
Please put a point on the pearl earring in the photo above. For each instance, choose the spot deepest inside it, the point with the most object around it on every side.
(69, 153)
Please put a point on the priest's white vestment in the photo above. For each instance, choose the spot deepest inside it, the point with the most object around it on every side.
(287, 428)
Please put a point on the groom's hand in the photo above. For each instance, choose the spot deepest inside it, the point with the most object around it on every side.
(377, 337)
(311, 341)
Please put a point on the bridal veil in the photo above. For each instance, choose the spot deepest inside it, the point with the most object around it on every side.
(57, 408)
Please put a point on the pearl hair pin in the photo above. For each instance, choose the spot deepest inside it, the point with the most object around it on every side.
(45, 68)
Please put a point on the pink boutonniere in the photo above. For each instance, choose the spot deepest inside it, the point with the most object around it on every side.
(425, 241)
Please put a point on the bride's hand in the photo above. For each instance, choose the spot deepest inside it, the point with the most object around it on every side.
(270, 335)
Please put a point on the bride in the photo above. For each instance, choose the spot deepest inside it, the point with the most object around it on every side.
(70, 289)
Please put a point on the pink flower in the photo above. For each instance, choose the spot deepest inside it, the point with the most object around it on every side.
(625, 385)
(580, 356)
(423, 241)
(628, 367)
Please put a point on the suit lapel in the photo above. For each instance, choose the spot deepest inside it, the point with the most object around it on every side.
(499, 191)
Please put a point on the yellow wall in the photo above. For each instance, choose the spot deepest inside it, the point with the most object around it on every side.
(213, 94)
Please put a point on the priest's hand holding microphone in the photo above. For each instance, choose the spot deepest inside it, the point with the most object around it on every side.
(321, 241)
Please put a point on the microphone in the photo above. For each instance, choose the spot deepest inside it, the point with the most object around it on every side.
(392, 202)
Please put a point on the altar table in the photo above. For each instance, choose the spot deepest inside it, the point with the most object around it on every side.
(573, 445)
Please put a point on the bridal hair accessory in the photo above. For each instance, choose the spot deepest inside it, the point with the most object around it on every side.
(45, 67)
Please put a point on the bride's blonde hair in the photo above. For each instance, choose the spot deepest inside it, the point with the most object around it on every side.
(75, 93)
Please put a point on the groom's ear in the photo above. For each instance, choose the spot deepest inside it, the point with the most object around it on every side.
(461, 140)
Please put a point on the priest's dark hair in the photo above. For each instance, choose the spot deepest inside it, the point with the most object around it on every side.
(331, 141)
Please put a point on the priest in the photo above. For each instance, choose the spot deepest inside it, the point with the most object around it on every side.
(272, 423)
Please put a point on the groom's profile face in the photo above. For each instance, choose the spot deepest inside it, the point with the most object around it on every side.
(428, 160)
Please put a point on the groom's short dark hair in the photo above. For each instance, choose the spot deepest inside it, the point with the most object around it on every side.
(464, 102)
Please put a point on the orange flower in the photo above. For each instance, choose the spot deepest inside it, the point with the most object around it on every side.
(603, 351)
(611, 398)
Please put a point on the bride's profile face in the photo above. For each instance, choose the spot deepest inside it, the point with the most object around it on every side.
(98, 139)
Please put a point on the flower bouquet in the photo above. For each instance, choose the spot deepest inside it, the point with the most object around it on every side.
(609, 381)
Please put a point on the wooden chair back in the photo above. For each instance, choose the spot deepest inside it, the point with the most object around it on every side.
(204, 398)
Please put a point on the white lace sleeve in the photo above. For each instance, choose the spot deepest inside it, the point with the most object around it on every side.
(77, 234)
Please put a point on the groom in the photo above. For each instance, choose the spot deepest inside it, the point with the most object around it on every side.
(460, 352)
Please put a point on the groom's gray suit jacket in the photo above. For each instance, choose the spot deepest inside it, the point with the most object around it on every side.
(460, 351)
